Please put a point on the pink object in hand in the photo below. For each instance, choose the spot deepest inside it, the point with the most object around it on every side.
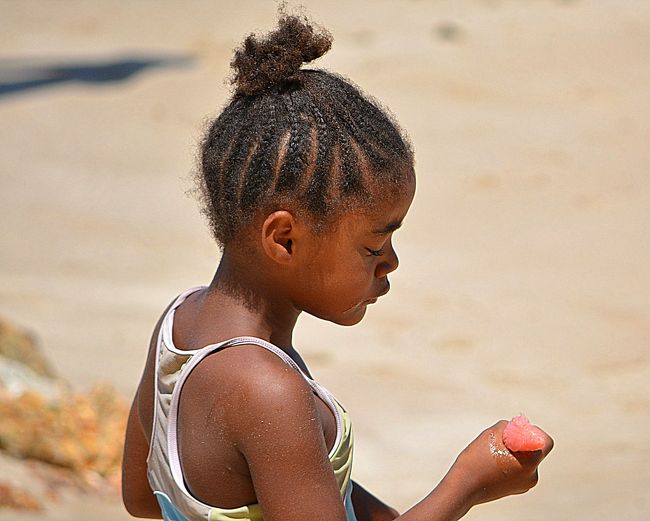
(522, 436)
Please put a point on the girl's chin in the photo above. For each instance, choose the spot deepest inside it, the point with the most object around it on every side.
(351, 317)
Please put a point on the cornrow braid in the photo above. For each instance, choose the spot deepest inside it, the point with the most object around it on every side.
(317, 190)
(306, 138)
(296, 160)
(216, 147)
(263, 159)
(235, 167)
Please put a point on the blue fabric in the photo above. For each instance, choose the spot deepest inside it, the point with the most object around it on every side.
(347, 501)
(169, 511)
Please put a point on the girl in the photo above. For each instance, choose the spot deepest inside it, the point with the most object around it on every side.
(304, 181)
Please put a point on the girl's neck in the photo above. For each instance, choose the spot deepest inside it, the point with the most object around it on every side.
(242, 299)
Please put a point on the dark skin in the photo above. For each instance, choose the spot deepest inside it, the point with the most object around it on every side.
(250, 428)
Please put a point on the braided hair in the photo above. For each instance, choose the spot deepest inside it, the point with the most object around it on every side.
(293, 138)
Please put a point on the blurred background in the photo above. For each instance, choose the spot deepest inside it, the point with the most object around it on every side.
(525, 261)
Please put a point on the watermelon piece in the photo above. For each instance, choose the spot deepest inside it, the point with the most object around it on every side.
(522, 436)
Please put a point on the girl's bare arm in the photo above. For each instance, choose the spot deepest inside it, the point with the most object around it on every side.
(137, 495)
(272, 419)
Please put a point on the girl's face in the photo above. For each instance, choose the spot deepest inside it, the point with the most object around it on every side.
(347, 269)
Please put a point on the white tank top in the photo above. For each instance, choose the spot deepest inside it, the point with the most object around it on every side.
(173, 366)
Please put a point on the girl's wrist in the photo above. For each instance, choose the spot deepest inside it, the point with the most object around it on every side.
(449, 501)
(463, 480)
(459, 489)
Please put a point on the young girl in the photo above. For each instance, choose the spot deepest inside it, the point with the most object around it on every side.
(304, 182)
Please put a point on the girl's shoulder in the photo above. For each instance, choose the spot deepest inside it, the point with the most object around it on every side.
(240, 382)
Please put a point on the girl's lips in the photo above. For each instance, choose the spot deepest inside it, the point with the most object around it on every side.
(374, 299)
(386, 290)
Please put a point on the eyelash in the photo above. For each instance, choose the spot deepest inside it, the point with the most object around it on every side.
(375, 253)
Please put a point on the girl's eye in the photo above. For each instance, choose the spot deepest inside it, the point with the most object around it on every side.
(375, 253)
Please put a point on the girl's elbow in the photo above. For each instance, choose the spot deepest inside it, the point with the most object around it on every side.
(141, 507)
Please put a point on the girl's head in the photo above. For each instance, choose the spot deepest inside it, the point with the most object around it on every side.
(309, 172)
(303, 140)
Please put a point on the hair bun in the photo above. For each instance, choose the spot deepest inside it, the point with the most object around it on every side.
(275, 59)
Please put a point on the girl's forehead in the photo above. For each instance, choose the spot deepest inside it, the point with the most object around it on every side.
(395, 201)
(387, 214)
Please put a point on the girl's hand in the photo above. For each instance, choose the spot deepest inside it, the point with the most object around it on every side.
(490, 471)
(483, 472)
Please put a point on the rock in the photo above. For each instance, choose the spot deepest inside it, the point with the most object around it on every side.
(18, 498)
(21, 346)
(16, 378)
(79, 431)
(43, 419)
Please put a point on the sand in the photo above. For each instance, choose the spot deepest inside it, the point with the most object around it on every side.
(525, 270)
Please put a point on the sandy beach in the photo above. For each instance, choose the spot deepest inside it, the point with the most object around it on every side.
(524, 280)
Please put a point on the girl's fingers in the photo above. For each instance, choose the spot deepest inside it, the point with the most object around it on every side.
(548, 446)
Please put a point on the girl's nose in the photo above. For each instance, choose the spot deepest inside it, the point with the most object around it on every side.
(389, 262)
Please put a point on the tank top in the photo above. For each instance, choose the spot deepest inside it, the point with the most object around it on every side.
(164, 471)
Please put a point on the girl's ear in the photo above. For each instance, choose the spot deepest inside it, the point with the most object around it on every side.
(279, 232)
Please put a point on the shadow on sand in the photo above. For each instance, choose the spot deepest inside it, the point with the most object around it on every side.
(17, 76)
